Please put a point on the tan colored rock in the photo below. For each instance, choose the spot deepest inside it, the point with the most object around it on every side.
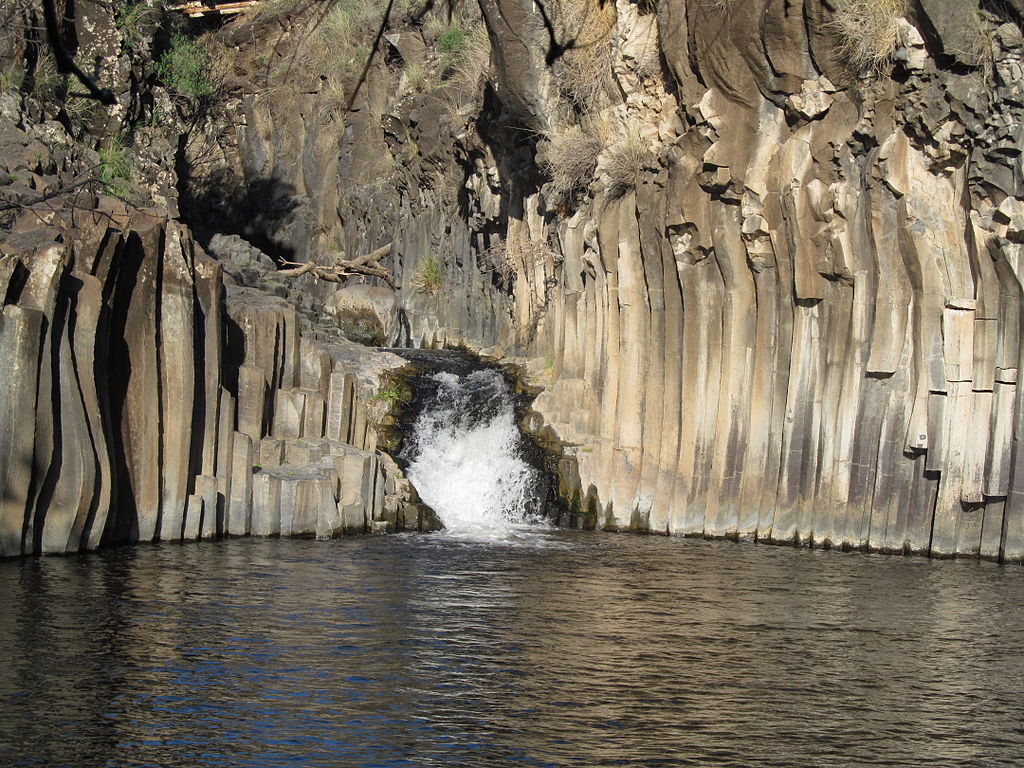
(367, 314)
(237, 521)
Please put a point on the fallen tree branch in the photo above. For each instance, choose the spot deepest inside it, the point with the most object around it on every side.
(367, 264)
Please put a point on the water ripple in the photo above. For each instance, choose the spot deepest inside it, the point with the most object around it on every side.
(580, 650)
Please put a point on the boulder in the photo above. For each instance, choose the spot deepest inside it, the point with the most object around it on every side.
(367, 314)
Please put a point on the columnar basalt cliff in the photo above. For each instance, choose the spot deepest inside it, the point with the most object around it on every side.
(805, 312)
(154, 392)
(783, 300)
(141, 404)
(762, 257)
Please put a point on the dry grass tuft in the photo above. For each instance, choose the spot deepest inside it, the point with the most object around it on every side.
(333, 49)
(466, 74)
(625, 161)
(473, 64)
(46, 82)
(427, 278)
(868, 31)
(325, 52)
(416, 77)
(584, 73)
(333, 98)
(508, 256)
(571, 159)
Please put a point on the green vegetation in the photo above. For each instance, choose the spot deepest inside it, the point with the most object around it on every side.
(389, 393)
(428, 275)
(452, 41)
(184, 67)
(451, 44)
(131, 18)
(116, 167)
(868, 31)
(385, 406)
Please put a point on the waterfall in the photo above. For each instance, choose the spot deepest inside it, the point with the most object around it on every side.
(466, 456)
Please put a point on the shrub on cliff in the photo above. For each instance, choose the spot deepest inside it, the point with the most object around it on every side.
(570, 158)
(116, 167)
(184, 67)
(452, 41)
(868, 31)
(428, 275)
(506, 257)
(583, 73)
(625, 161)
(132, 19)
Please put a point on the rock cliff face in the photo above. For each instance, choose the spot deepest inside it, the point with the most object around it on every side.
(781, 301)
(154, 391)
(763, 257)
(136, 409)
(801, 323)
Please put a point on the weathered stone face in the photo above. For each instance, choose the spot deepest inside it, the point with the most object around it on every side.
(786, 305)
(779, 320)
(367, 314)
(119, 423)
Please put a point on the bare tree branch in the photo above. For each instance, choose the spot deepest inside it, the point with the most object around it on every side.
(81, 179)
(367, 264)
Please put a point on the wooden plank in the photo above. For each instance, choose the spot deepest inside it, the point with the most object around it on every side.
(200, 9)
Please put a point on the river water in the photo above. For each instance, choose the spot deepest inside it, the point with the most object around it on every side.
(546, 649)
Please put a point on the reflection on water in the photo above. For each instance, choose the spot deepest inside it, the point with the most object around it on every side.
(591, 650)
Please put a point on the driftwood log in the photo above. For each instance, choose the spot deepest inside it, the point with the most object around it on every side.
(368, 264)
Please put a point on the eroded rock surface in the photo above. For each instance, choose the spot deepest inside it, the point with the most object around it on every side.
(141, 404)
(774, 294)
(784, 303)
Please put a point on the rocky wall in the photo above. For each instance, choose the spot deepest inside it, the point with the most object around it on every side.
(141, 403)
(795, 318)
(782, 303)
(801, 324)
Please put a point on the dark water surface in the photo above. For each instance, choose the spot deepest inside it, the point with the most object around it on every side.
(574, 649)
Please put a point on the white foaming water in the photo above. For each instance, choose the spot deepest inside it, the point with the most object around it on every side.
(465, 459)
